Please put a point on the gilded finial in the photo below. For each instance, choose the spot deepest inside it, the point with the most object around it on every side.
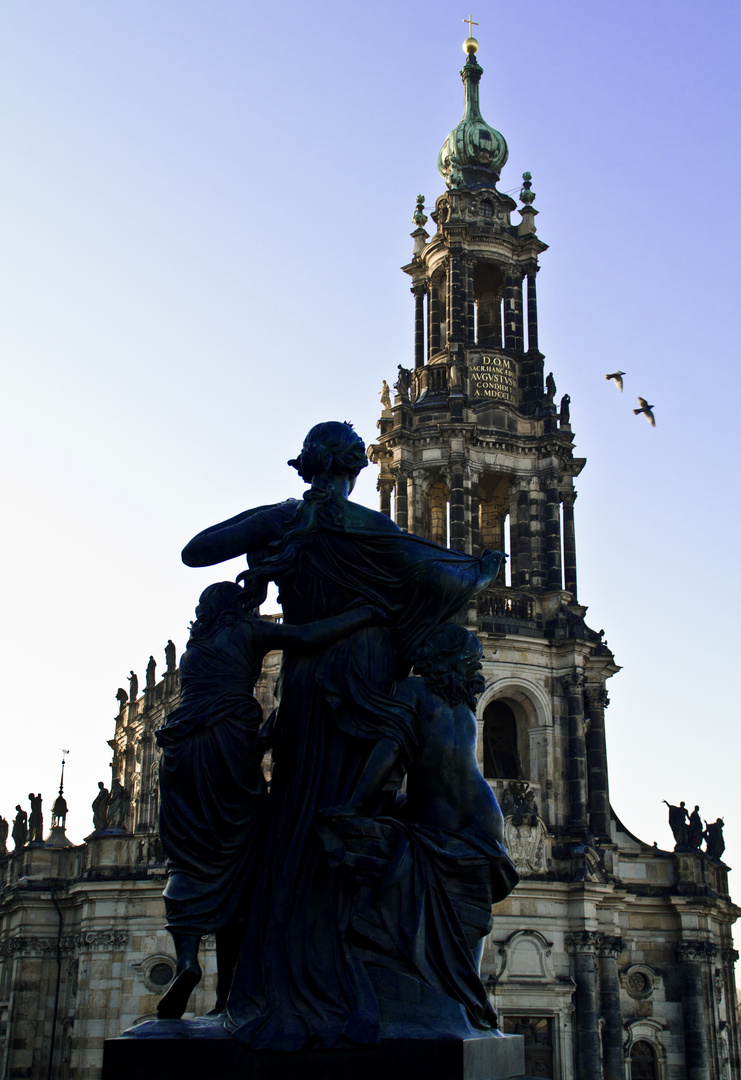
(470, 45)
(420, 217)
(526, 195)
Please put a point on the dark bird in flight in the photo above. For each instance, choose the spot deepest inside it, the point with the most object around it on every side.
(618, 377)
(646, 408)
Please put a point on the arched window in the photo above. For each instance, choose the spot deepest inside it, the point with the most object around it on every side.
(643, 1065)
(501, 756)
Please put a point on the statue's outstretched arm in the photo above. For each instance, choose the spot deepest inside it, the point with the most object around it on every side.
(229, 539)
(316, 635)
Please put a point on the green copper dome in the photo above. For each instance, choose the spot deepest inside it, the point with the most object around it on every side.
(473, 154)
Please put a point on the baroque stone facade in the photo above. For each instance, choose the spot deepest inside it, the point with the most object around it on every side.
(83, 948)
(613, 958)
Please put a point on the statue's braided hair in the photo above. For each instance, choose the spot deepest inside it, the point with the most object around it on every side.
(330, 449)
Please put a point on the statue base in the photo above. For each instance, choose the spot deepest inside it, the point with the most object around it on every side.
(202, 1050)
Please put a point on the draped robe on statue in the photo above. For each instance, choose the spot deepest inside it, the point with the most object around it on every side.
(300, 981)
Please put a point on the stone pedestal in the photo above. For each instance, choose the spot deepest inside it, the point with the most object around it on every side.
(202, 1050)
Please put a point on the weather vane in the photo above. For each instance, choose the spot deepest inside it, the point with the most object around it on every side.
(471, 25)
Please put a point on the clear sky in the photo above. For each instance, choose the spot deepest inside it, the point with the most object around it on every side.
(204, 205)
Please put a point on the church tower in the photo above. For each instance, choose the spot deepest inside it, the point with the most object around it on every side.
(474, 454)
(612, 957)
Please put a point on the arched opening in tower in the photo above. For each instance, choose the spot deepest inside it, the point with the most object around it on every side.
(503, 750)
(494, 518)
(488, 286)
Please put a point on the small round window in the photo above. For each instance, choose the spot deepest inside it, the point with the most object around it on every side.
(637, 982)
(160, 974)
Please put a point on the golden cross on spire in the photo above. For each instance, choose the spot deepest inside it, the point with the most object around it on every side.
(471, 25)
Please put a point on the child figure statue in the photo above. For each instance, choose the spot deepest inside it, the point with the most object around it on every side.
(425, 880)
(212, 787)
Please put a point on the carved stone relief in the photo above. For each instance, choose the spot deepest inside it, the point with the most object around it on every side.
(524, 832)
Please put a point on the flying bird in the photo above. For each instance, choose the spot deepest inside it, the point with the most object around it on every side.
(618, 377)
(646, 408)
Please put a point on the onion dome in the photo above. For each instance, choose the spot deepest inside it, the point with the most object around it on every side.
(473, 154)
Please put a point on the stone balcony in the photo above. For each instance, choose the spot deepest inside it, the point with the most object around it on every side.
(508, 610)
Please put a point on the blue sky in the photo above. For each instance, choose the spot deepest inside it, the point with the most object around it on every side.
(204, 206)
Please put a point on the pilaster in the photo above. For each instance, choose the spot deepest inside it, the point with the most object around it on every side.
(694, 959)
(596, 748)
(573, 685)
(583, 946)
(608, 949)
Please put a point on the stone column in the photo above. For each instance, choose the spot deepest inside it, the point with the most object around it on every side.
(519, 510)
(433, 322)
(470, 306)
(419, 326)
(400, 502)
(457, 504)
(569, 543)
(694, 957)
(538, 578)
(385, 487)
(509, 311)
(519, 335)
(414, 503)
(144, 810)
(582, 946)
(532, 312)
(455, 307)
(553, 534)
(473, 480)
(599, 796)
(573, 685)
(613, 1066)
(729, 956)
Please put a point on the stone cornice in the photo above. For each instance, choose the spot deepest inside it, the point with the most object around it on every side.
(109, 940)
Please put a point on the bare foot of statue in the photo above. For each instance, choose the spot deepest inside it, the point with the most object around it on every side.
(187, 976)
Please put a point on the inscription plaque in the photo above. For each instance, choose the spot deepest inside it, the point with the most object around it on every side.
(493, 376)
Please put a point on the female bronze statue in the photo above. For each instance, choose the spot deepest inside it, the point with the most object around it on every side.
(299, 980)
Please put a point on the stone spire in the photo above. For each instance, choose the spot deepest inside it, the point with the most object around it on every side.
(474, 153)
(58, 837)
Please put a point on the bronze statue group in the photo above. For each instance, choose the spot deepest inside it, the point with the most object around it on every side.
(361, 882)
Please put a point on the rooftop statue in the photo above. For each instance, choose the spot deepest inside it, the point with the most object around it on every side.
(4, 829)
(100, 808)
(302, 976)
(20, 827)
(403, 383)
(35, 820)
(694, 830)
(151, 676)
(118, 806)
(170, 655)
(678, 818)
(715, 845)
